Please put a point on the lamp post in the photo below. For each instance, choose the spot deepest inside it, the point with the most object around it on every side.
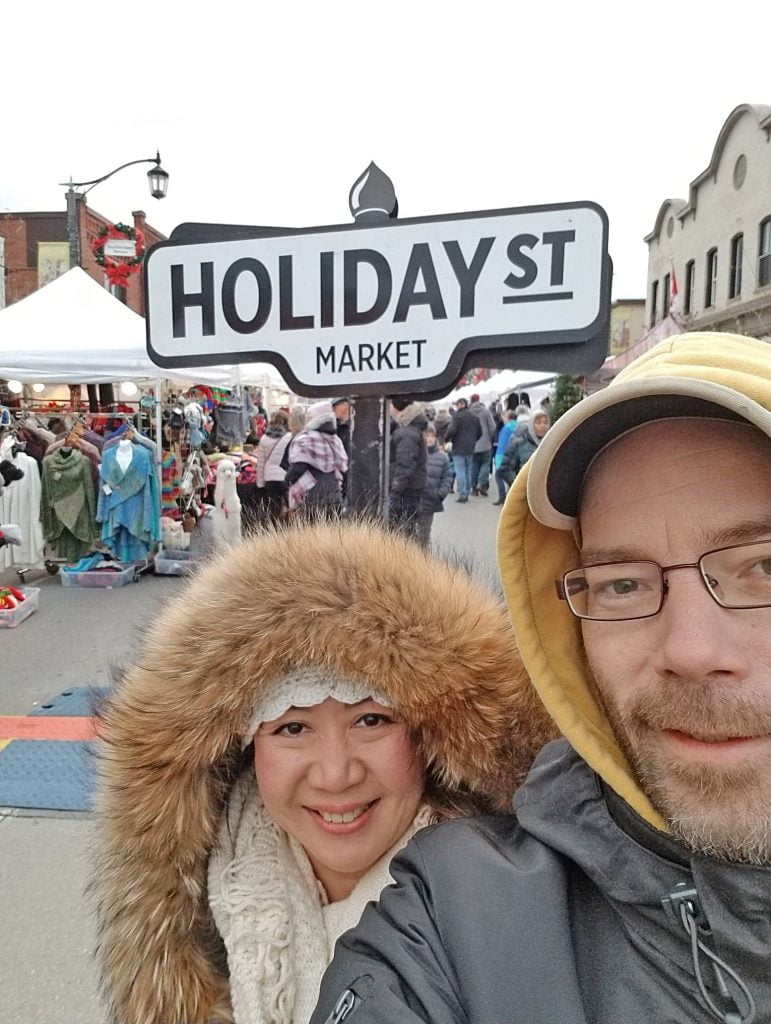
(158, 180)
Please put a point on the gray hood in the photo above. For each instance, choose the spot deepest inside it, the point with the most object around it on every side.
(565, 805)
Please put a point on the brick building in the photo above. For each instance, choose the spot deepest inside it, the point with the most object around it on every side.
(34, 249)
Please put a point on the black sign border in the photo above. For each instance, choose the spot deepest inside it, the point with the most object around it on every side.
(579, 351)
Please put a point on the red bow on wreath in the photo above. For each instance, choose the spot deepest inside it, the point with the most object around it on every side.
(118, 271)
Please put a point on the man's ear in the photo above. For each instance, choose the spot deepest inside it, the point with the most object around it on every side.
(577, 539)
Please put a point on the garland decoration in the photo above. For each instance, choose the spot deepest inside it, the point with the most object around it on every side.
(118, 270)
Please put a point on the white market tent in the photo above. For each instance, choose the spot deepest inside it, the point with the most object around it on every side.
(503, 383)
(73, 331)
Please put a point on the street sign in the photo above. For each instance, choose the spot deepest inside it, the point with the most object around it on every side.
(394, 308)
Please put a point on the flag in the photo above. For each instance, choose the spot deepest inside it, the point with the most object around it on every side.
(673, 307)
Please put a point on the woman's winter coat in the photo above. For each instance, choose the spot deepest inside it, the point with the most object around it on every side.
(317, 464)
(438, 481)
(408, 452)
(270, 455)
(350, 598)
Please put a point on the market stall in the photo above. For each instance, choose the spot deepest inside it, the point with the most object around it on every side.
(74, 332)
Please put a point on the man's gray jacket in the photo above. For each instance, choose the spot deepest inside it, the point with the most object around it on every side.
(572, 911)
(487, 423)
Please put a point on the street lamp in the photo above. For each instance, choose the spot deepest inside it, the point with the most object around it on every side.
(158, 180)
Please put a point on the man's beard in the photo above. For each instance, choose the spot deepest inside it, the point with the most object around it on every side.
(713, 810)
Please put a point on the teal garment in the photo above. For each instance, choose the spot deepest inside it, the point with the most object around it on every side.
(130, 513)
(503, 439)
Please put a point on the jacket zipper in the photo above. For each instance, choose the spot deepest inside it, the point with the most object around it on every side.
(683, 906)
(342, 1007)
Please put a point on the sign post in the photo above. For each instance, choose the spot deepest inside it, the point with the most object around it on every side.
(385, 306)
(372, 200)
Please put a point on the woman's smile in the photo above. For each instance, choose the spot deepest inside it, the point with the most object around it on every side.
(343, 822)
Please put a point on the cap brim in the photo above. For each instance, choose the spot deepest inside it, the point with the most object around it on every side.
(557, 469)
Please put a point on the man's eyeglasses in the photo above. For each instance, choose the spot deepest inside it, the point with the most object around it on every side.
(735, 577)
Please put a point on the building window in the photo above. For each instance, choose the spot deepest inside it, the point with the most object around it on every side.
(735, 271)
(740, 171)
(654, 302)
(118, 290)
(764, 253)
(710, 289)
(665, 297)
(690, 280)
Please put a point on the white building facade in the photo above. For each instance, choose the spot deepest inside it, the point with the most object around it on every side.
(718, 241)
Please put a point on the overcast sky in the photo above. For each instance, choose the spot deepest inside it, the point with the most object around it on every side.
(266, 113)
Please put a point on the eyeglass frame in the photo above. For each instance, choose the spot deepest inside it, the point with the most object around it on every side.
(561, 585)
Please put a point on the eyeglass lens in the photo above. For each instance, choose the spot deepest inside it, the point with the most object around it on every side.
(736, 577)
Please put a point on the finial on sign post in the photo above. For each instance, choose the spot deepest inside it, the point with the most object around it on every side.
(372, 197)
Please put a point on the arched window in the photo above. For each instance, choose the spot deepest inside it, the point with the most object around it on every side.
(710, 285)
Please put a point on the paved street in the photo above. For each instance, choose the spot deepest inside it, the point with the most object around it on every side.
(72, 641)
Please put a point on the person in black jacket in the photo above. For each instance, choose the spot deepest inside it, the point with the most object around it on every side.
(408, 467)
(342, 407)
(438, 485)
(464, 432)
(631, 882)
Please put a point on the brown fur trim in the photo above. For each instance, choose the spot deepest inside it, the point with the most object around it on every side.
(354, 598)
(406, 415)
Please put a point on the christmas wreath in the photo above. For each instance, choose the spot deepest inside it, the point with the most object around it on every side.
(118, 271)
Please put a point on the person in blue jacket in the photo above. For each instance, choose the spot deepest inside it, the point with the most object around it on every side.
(521, 446)
(504, 436)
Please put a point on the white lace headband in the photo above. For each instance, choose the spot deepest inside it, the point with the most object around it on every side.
(304, 688)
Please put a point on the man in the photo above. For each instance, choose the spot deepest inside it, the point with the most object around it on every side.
(407, 467)
(342, 407)
(483, 449)
(632, 882)
(464, 432)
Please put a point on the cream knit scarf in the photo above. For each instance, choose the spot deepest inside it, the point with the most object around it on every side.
(272, 913)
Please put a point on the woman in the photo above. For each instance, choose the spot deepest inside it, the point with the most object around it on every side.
(521, 446)
(317, 463)
(264, 759)
(271, 474)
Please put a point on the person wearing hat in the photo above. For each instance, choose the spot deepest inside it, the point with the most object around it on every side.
(407, 466)
(272, 747)
(317, 464)
(463, 433)
(632, 882)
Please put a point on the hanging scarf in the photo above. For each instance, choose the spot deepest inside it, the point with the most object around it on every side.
(272, 913)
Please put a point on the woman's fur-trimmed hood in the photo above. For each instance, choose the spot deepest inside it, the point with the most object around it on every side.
(349, 597)
(415, 412)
